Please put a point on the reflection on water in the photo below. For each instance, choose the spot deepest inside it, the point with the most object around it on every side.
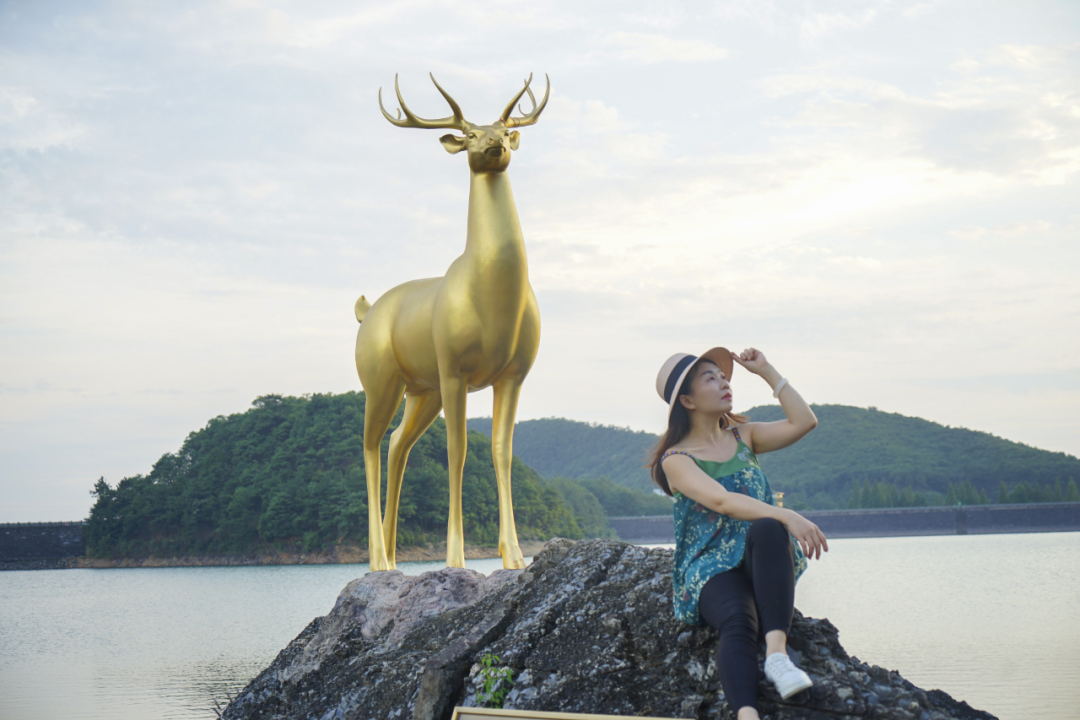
(154, 642)
(993, 620)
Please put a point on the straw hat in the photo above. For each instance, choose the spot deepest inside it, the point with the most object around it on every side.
(677, 367)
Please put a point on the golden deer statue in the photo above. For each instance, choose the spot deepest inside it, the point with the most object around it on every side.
(437, 339)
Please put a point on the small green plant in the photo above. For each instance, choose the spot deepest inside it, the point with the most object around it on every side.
(495, 682)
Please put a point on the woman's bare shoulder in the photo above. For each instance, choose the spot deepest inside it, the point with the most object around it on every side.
(674, 452)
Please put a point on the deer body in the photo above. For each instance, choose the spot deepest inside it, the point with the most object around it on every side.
(435, 340)
(480, 318)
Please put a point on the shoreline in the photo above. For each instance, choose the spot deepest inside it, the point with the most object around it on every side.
(57, 546)
(341, 555)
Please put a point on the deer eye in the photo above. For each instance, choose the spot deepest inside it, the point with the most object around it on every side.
(472, 136)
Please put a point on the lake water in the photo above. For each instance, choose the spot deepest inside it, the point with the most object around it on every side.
(990, 619)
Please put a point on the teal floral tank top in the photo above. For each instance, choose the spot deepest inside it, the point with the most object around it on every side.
(708, 543)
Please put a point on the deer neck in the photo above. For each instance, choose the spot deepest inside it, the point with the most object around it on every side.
(495, 246)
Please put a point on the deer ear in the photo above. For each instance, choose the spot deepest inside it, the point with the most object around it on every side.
(515, 139)
(452, 143)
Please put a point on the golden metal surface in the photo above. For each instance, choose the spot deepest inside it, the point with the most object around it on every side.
(437, 339)
(464, 713)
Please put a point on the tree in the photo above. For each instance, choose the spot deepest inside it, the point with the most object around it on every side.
(588, 512)
(856, 501)
(1021, 493)
(878, 496)
(289, 474)
(907, 498)
(620, 501)
(951, 497)
(1072, 494)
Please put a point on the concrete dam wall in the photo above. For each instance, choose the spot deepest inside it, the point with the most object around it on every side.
(895, 522)
(23, 542)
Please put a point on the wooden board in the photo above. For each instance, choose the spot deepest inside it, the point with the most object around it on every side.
(468, 713)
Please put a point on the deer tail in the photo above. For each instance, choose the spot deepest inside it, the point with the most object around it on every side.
(361, 308)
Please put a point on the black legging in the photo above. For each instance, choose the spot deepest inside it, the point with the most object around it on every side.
(759, 592)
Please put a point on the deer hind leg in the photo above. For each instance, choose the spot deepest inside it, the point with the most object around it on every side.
(502, 450)
(380, 404)
(454, 392)
(420, 412)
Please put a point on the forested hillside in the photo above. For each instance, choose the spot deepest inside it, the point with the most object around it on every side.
(559, 447)
(855, 445)
(290, 472)
(879, 454)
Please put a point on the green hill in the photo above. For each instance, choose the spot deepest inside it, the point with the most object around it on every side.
(559, 447)
(289, 472)
(855, 445)
(851, 448)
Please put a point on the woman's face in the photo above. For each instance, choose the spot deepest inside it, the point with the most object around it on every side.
(709, 390)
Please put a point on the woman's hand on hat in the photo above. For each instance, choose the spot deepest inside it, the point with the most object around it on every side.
(752, 359)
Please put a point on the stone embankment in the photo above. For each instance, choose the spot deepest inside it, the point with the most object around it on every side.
(586, 628)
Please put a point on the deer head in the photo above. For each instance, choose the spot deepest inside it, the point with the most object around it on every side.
(488, 146)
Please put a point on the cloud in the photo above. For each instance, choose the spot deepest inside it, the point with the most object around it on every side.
(1032, 231)
(27, 124)
(979, 120)
(1033, 57)
(652, 49)
(666, 16)
(197, 196)
(598, 141)
(763, 13)
(812, 23)
(861, 264)
(816, 25)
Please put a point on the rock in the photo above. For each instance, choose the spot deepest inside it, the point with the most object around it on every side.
(586, 628)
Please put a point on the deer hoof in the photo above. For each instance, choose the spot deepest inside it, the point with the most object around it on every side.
(512, 557)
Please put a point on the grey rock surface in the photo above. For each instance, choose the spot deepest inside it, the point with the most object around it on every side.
(586, 628)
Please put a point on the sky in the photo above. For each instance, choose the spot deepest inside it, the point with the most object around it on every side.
(880, 196)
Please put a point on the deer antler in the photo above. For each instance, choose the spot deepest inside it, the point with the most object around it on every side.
(529, 117)
(456, 121)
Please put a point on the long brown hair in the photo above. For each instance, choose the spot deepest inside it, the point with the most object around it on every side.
(678, 428)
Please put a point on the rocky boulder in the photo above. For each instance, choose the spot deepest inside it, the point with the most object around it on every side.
(586, 628)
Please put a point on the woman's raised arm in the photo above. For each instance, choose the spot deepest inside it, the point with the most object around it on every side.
(766, 437)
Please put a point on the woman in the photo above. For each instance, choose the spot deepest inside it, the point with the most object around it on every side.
(737, 555)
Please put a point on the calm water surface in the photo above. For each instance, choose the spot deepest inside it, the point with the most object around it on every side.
(991, 619)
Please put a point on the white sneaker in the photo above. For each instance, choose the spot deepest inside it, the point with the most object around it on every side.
(787, 678)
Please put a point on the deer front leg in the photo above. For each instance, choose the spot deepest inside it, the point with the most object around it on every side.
(454, 391)
(380, 404)
(502, 450)
(420, 412)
